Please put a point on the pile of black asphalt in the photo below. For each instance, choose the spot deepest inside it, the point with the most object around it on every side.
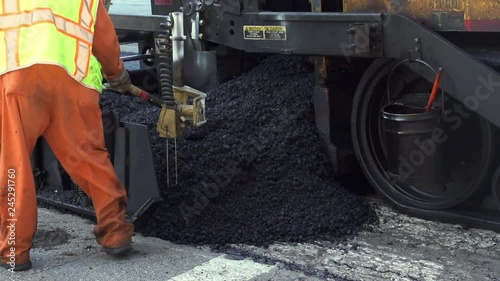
(255, 173)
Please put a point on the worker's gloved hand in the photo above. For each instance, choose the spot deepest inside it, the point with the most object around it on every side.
(121, 83)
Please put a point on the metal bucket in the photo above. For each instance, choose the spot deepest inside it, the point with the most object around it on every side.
(414, 151)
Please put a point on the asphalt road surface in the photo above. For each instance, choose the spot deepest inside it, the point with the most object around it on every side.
(399, 248)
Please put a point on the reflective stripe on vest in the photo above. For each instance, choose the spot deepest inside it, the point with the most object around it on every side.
(38, 16)
(66, 26)
(11, 36)
(10, 6)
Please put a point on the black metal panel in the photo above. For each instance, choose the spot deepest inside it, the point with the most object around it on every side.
(49, 164)
(328, 34)
(110, 123)
(322, 111)
(289, 6)
(346, 34)
(143, 189)
(142, 24)
(233, 7)
(120, 155)
(218, 26)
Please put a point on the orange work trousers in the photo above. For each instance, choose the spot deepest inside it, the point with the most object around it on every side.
(43, 100)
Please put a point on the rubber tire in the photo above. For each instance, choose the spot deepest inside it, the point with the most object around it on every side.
(372, 76)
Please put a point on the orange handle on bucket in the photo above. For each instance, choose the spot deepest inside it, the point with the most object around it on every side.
(434, 90)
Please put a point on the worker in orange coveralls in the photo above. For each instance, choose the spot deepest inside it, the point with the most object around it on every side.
(54, 57)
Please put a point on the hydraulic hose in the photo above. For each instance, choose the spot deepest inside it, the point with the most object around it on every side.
(165, 64)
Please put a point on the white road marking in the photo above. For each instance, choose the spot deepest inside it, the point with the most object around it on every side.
(223, 269)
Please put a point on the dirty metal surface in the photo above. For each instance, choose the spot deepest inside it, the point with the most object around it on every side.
(469, 15)
(473, 9)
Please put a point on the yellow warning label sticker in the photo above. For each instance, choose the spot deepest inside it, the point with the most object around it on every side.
(257, 32)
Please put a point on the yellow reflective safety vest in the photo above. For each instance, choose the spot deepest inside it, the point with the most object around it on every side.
(57, 32)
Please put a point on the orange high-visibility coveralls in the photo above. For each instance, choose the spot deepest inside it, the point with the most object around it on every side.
(45, 100)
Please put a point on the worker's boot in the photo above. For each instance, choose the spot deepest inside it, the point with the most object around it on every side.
(22, 262)
(113, 245)
(18, 267)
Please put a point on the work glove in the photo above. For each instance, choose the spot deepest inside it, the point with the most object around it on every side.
(121, 83)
